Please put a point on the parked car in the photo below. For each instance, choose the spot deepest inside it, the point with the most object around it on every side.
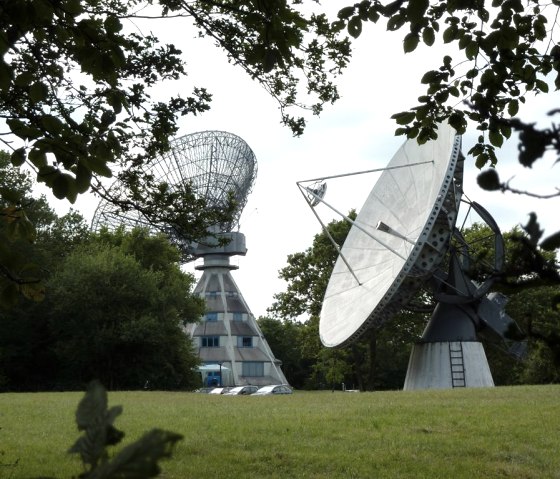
(203, 390)
(242, 391)
(219, 390)
(273, 389)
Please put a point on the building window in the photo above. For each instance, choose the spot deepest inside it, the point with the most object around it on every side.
(212, 316)
(238, 316)
(244, 341)
(210, 341)
(253, 368)
(212, 294)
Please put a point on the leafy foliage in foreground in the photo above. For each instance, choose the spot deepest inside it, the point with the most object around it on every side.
(75, 82)
(138, 460)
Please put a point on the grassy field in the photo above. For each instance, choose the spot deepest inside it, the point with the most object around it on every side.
(475, 433)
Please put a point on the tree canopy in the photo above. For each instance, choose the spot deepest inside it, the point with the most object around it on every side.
(76, 78)
(115, 311)
(116, 314)
(32, 237)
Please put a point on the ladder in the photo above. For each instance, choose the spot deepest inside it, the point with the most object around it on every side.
(457, 363)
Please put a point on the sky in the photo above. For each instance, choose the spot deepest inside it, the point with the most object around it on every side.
(354, 134)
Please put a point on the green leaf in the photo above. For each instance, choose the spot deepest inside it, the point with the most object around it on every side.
(346, 12)
(112, 24)
(38, 92)
(482, 159)
(431, 77)
(513, 107)
(98, 166)
(506, 130)
(52, 124)
(6, 75)
(34, 291)
(92, 406)
(62, 186)
(416, 9)
(411, 42)
(38, 157)
(395, 22)
(404, 118)
(457, 121)
(140, 459)
(489, 180)
(496, 138)
(18, 157)
(533, 229)
(471, 50)
(355, 26)
(47, 174)
(541, 85)
(83, 177)
(428, 36)
(508, 38)
(450, 34)
(19, 128)
(373, 15)
(551, 243)
(73, 7)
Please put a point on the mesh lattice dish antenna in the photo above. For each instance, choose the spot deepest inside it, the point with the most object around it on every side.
(218, 165)
(397, 240)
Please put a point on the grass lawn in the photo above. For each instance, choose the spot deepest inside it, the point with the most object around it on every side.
(462, 433)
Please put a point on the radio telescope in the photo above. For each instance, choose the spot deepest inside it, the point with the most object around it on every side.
(219, 167)
(405, 238)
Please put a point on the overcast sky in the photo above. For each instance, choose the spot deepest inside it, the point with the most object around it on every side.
(354, 134)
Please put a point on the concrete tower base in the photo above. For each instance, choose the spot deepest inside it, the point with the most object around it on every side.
(448, 364)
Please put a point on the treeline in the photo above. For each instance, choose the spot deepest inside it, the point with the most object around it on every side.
(114, 306)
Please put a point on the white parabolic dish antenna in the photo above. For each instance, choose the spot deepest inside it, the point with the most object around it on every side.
(398, 239)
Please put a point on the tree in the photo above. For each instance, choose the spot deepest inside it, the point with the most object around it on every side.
(536, 311)
(32, 237)
(26, 361)
(117, 313)
(284, 339)
(308, 273)
(507, 52)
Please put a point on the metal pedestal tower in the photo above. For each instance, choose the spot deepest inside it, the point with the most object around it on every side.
(228, 339)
